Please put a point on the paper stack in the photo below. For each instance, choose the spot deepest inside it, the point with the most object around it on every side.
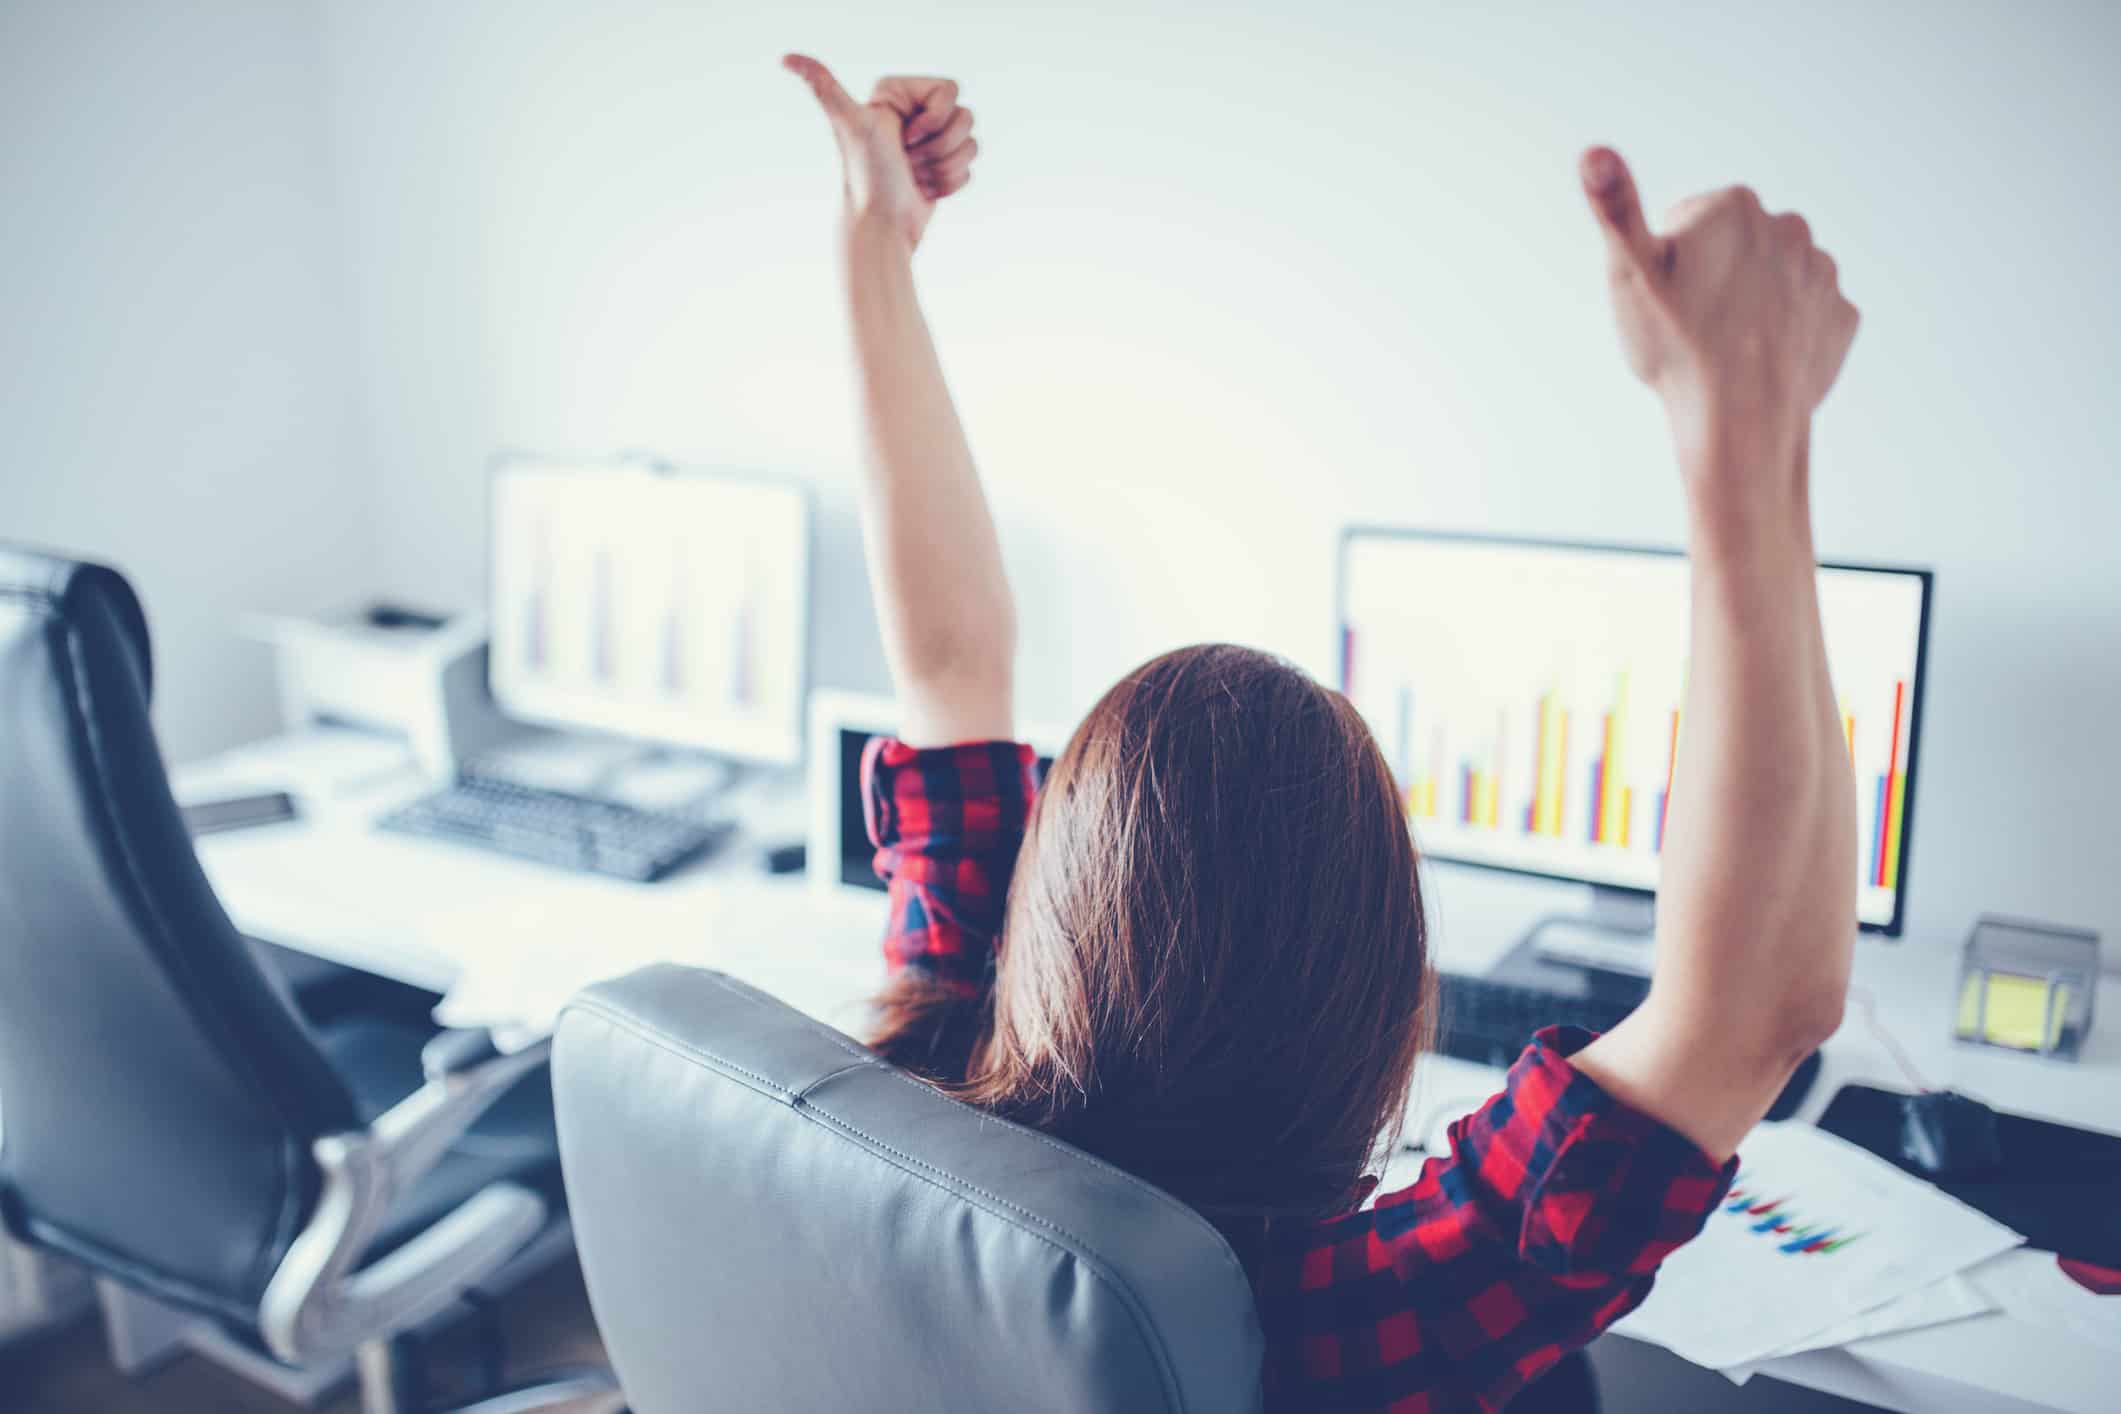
(2034, 1288)
(1818, 1243)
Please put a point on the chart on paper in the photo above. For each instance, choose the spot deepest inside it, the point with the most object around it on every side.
(1530, 700)
(1813, 1231)
(1783, 1224)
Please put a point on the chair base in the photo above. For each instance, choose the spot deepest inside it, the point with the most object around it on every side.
(390, 1384)
(143, 1333)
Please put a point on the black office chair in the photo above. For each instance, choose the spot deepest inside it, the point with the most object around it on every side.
(166, 1117)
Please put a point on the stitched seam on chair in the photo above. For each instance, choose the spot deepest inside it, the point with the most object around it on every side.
(804, 1093)
(862, 1056)
(749, 993)
(280, 1222)
(927, 1173)
(635, 1024)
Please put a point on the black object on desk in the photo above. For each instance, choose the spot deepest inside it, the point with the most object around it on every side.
(1947, 1135)
(210, 817)
(2055, 1184)
(1488, 1020)
(398, 618)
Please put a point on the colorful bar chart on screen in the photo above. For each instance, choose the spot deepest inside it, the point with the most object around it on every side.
(1530, 698)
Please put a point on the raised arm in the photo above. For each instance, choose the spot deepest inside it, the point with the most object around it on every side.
(1735, 318)
(935, 564)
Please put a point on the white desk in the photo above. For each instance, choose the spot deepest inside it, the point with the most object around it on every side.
(428, 913)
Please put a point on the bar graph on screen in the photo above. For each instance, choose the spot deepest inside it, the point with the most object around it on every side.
(1530, 699)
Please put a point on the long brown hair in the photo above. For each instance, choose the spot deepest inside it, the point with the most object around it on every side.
(1213, 972)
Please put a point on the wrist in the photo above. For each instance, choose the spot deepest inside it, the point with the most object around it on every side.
(1750, 503)
(1746, 477)
(1755, 434)
(869, 235)
(1745, 545)
(1749, 544)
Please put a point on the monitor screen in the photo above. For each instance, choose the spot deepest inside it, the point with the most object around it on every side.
(1528, 697)
(667, 606)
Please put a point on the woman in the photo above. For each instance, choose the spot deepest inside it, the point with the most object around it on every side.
(1198, 951)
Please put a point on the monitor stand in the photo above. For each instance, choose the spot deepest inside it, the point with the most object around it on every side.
(1617, 934)
(1604, 952)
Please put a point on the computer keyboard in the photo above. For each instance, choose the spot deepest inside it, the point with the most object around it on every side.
(1490, 1021)
(555, 827)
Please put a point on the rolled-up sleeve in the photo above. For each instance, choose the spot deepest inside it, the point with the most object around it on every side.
(1544, 1225)
(947, 823)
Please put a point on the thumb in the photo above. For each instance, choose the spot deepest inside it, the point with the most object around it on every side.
(1611, 189)
(839, 106)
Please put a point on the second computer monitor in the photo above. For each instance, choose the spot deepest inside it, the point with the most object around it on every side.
(1528, 695)
(666, 606)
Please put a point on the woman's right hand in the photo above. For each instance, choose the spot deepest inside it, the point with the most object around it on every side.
(904, 150)
(1734, 317)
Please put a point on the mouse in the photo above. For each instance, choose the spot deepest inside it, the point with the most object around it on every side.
(1948, 1135)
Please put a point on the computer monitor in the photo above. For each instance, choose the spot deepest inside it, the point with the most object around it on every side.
(1528, 696)
(668, 606)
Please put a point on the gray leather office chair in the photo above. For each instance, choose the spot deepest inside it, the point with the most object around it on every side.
(166, 1117)
(771, 1219)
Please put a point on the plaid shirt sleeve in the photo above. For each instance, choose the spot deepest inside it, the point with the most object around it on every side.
(946, 822)
(1544, 1226)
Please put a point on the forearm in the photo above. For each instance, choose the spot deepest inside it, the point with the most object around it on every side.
(935, 563)
(1756, 909)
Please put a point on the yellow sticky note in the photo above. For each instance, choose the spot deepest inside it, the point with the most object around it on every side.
(2018, 1011)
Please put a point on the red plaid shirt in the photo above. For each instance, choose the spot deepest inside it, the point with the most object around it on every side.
(1544, 1226)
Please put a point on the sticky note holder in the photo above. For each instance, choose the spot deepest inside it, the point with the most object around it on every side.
(2027, 987)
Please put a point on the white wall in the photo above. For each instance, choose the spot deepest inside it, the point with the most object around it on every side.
(173, 352)
(1230, 275)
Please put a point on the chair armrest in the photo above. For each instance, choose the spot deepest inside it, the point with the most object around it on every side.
(317, 1305)
(456, 1051)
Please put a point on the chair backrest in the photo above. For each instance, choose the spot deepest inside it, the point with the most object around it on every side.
(158, 1094)
(770, 1218)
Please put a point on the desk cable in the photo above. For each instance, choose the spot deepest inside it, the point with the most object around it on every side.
(1868, 1005)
